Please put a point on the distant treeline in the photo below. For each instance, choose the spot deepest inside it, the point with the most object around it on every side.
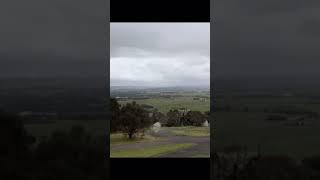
(132, 118)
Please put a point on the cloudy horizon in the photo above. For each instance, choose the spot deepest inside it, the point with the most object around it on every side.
(160, 54)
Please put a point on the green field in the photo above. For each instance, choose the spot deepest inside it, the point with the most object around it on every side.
(190, 131)
(165, 104)
(151, 151)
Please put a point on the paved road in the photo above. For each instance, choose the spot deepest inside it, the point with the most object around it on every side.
(201, 147)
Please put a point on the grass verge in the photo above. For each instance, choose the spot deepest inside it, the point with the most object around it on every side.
(119, 138)
(191, 131)
(152, 151)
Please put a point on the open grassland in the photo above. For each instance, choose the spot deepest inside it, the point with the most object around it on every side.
(190, 131)
(165, 104)
(151, 151)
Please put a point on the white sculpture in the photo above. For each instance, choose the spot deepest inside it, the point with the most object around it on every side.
(205, 124)
(156, 127)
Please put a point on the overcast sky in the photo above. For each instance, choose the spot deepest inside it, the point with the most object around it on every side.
(249, 38)
(160, 54)
(266, 38)
(45, 38)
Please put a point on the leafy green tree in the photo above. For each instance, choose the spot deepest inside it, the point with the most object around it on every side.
(133, 118)
(195, 118)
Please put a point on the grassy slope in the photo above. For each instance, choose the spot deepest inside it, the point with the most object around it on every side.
(190, 131)
(152, 151)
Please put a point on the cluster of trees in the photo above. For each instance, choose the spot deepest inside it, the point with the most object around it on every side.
(190, 118)
(74, 154)
(132, 118)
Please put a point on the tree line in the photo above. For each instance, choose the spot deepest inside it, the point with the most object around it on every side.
(132, 118)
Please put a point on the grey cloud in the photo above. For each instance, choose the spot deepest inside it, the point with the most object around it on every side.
(154, 54)
(47, 34)
(161, 38)
(310, 28)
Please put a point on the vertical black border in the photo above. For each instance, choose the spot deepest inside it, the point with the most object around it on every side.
(107, 56)
(212, 97)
